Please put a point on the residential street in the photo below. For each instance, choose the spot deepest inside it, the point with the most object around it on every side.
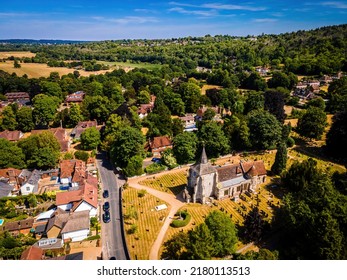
(113, 242)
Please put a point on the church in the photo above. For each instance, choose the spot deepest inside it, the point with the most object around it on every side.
(206, 181)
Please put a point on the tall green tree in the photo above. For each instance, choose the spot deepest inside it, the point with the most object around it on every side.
(274, 103)
(45, 108)
(184, 147)
(312, 124)
(11, 155)
(90, 139)
(201, 245)
(265, 129)
(8, 119)
(190, 94)
(25, 119)
(337, 136)
(212, 135)
(223, 232)
(280, 159)
(51, 89)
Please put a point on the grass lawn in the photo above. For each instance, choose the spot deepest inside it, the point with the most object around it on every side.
(127, 66)
(171, 183)
(149, 222)
(206, 87)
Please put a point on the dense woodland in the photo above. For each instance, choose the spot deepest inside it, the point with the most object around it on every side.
(315, 206)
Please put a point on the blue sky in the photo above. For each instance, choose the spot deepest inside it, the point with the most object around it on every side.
(134, 19)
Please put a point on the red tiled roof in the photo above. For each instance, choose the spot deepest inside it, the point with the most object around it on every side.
(254, 168)
(161, 141)
(17, 95)
(75, 97)
(11, 135)
(10, 173)
(32, 253)
(74, 168)
(63, 198)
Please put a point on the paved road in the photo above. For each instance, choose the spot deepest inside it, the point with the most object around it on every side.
(113, 243)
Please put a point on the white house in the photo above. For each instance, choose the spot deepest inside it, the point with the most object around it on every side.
(77, 226)
(31, 181)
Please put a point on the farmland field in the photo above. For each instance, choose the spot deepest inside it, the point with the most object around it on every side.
(127, 66)
(16, 54)
(148, 222)
(36, 70)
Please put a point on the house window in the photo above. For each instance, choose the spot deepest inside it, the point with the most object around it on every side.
(238, 188)
(28, 189)
(226, 192)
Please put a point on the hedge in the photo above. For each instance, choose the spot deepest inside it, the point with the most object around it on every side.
(181, 223)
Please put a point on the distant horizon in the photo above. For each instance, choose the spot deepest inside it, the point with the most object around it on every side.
(86, 20)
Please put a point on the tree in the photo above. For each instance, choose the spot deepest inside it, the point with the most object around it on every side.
(265, 130)
(184, 147)
(254, 101)
(190, 94)
(237, 132)
(262, 254)
(82, 155)
(159, 119)
(274, 103)
(177, 126)
(223, 232)
(200, 245)
(175, 248)
(41, 150)
(279, 79)
(11, 155)
(216, 142)
(312, 123)
(51, 89)
(168, 158)
(90, 138)
(253, 226)
(143, 97)
(134, 166)
(44, 109)
(16, 64)
(96, 108)
(127, 144)
(280, 159)
(8, 119)
(75, 115)
(317, 102)
(337, 136)
(25, 119)
(254, 82)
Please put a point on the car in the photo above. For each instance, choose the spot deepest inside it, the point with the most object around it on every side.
(105, 194)
(113, 258)
(106, 217)
(106, 206)
(156, 160)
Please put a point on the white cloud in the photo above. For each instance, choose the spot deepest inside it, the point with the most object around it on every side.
(127, 20)
(338, 5)
(219, 6)
(265, 20)
(193, 12)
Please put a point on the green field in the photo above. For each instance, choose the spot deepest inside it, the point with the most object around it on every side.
(130, 65)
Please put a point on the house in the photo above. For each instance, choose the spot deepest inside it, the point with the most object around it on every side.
(12, 136)
(189, 122)
(10, 175)
(85, 198)
(30, 181)
(206, 181)
(82, 126)
(16, 96)
(32, 253)
(263, 71)
(76, 97)
(17, 227)
(69, 226)
(159, 144)
(60, 134)
(5, 189)
(72, 172)
(144, 110)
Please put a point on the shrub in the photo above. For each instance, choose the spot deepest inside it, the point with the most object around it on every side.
(181, 223)
(82, 155)
(154, 168)
(141, 193)
(290, 142)
(132, 229)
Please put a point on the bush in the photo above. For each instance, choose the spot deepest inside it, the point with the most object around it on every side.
(181, 223)
(141, 193)
(154, 168)
(82, 155)
(132, 229)
(290, 142)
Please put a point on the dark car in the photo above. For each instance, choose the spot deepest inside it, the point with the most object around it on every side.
(112, 258)
(105, 194)
(106, 217)
(156, 160)
(106, 206)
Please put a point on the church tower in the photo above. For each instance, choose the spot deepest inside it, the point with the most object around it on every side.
(202, 179)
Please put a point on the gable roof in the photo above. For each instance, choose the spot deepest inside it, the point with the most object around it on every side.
(11, 135)
(5, 189)
(253, 168)
(18, 225)
(32, 253)
(229, 172)
(76, 221)
(160, 141)
(74, 169)
(82, 126)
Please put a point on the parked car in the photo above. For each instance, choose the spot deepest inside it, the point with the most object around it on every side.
(106, 206)
(156, 160)
(105, 194)
(106, 217)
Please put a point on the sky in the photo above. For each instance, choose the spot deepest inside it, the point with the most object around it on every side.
(134, 19)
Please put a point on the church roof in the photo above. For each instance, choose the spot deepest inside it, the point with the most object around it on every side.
(203, 167)
(254, 168)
